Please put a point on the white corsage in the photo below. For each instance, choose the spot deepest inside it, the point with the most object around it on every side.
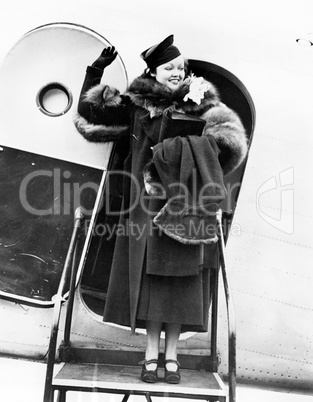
(197, 89)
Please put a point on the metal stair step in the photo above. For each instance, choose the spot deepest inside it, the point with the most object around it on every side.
(119, 379)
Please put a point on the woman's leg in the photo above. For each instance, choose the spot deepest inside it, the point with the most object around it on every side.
(172, 332)
(153, 342)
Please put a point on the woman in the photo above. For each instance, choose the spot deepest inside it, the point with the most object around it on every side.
(159, 279)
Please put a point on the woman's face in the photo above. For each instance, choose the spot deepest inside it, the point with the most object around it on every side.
(172, 73)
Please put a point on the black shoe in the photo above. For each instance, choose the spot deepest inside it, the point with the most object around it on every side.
(172, 377)
(149, 375)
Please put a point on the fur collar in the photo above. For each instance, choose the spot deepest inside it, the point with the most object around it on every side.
(155, 97)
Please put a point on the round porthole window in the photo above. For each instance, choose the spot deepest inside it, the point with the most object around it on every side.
(54, 99)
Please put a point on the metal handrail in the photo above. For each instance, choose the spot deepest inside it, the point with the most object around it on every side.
(230, 315)
(70, 303)
(58, 300)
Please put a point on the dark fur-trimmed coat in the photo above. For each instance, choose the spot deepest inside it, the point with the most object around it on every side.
(105, 115)
(134, 118)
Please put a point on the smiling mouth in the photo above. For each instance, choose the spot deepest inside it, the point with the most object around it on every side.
(174, 81)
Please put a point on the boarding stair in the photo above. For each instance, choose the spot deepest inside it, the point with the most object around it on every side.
(118, 372)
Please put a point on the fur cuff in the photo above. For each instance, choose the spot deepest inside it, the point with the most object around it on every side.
(224, 125)
(99, 132)
(187, 227)
(101, 96)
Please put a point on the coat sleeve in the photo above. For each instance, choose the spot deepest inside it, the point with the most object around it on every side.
(225, 126)
(102, 113)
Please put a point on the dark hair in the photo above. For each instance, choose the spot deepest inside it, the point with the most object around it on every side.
(152, 70)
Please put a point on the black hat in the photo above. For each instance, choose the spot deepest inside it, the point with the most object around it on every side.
(161, 53)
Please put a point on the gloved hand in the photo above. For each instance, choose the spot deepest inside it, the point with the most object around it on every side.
(107, 56)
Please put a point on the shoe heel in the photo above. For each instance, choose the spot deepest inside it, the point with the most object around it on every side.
(172, 377)
(150, 376)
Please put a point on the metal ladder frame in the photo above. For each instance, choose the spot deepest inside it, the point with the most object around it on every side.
(70, 267)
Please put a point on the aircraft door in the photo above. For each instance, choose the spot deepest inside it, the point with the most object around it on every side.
(46, 168)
